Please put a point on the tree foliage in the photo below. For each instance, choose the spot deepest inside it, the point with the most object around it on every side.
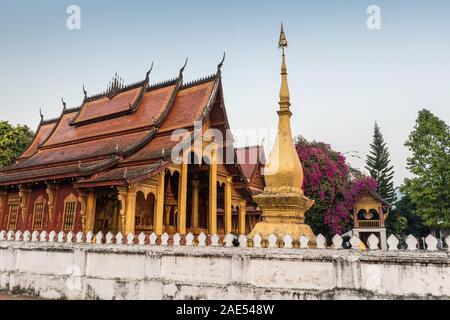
(429, 189)
(13, 141)
(403, 220)
(328, 181)
(378, 164)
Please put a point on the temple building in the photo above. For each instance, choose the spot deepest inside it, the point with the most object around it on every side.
(109, 165)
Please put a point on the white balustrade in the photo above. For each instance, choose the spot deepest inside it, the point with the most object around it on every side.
(321, 241)
(392, 242)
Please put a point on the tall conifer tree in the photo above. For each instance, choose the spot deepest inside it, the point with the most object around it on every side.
(378, 164)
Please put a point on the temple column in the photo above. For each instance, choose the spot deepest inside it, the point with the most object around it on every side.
(213, 193)
(24, 194)
(194, 222)
(182, 197)
(158, 227)
(131, 210)
(227, 205)
(242, 213)
(91, 204)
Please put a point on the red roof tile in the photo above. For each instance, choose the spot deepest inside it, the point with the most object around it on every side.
(106, 106)
(42, 134)
(75, 152)
(152, 104)
(132, 136)
(37, 175)
(125, 174)
(153, 149)
(189, 105)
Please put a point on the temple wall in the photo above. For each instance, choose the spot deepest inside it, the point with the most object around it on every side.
(86, 271)
(40, 190)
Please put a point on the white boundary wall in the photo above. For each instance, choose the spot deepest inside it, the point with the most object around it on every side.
(61, 270)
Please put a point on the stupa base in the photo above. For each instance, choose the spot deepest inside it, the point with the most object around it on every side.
(279, 229)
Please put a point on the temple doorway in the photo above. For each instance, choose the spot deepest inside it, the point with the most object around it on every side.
(220, 208)
(197, 195)
(235, 219)
(107, 212)
(145, 212)
(203, 205)
(171, 203)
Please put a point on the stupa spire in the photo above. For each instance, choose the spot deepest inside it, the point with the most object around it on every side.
(285, 96)
(283, 168)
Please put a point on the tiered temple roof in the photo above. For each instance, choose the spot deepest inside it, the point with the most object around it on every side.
(120, 135)
(251, 160)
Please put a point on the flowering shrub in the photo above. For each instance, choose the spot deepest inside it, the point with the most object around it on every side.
(328, 181)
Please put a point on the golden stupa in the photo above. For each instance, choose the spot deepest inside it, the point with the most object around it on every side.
(283, 203)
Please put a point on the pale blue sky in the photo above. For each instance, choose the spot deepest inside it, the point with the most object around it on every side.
(343, 77)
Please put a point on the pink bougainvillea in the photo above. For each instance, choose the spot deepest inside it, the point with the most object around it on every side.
(328, 181)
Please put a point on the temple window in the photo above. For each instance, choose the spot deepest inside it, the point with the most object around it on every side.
(38, 215)
(70, 205)
(13, 214)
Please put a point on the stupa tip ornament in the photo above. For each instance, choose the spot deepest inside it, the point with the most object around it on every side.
(283, 203)
(282, 43)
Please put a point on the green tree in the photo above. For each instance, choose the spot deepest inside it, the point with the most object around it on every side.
(13, 141)
(403, 220)
(429, 189)
(378, 164)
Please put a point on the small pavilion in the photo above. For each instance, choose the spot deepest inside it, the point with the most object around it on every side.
(369, 215)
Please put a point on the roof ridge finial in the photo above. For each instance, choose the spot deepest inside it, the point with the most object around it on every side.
(147, 75)
(42, 116)
(115, 85)
(84, 92)
(219, 66)
(64, 103)
(184, 66)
